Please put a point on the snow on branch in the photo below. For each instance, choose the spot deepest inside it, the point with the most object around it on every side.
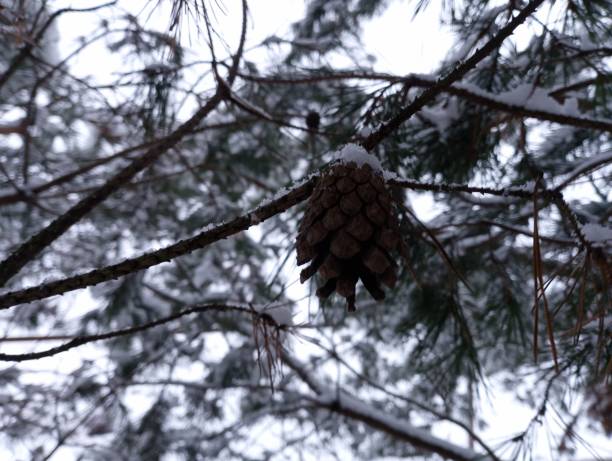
(280, 203)
(530, 101)
(457, 73)
(524, 100)
(342, 402)
(598, 234)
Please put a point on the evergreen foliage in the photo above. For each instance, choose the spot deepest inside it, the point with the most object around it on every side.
(170, 189)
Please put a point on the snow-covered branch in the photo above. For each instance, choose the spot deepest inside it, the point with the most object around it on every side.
(265, 211)
(342, 402)
(533, 102)
(529, 101)
(206, 237)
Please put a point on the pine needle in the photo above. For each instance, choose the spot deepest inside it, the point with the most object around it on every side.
(439, 248)
(539, 285)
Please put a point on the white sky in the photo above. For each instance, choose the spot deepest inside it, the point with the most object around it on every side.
(401, 45)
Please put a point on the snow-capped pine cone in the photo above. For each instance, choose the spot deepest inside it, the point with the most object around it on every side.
(348, 232)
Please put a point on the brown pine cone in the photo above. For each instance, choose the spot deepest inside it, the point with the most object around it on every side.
(348, 232)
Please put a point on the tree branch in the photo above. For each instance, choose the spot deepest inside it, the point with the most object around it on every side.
(66, 177)
(599, 79)
(30, 44)
(31, 248)
(521, 192)
(342, 402)
(414, 402)
(153, 258)
(480, 97)
(488, 100)
(14, 198)
(587, 166)
(443, 83)
(81, 340)
(243, 222)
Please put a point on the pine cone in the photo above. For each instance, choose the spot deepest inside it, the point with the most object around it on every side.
(348, 232)
(313, 120)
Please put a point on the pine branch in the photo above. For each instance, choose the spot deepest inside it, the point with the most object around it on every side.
(488, 100)
(553, 195)
(579, 85)
(154, 258)
(566, 210)
(85, 339)
(31, 248)
(14, 198)
(340, 401)
(522, 231)
(443, 83)
(467, 92)
(521, 192)
(63, 437)
(243, 222)
(66, 177)
(587, 166)
(412, 401)
(16, 128)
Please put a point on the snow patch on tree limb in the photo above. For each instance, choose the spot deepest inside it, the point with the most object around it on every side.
(342, 402)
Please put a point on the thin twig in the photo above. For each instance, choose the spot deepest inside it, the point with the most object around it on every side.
(85, 339)
(30, 44)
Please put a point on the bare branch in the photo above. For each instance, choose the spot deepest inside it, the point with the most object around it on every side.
(30, 44)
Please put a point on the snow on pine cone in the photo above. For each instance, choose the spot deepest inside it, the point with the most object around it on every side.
(348, 232)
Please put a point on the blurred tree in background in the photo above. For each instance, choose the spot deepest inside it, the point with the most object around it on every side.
(137, 185)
